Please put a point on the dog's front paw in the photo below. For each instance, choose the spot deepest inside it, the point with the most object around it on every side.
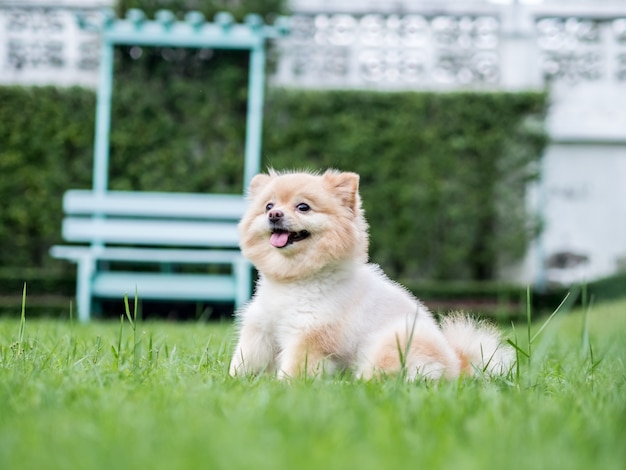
(237, 365)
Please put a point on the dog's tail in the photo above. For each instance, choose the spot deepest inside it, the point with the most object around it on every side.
(478, 344)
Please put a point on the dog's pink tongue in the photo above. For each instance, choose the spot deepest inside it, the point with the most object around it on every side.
(279, 239)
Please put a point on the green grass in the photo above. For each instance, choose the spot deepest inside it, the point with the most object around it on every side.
(157, 396)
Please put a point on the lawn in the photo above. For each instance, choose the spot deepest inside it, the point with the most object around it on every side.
(157, 396)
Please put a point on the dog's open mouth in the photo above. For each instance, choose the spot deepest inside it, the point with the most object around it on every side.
(282, 238)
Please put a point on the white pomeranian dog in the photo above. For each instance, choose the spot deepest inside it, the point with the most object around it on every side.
(320, 307)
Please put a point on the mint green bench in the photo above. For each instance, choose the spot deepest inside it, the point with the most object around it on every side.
(154, 230)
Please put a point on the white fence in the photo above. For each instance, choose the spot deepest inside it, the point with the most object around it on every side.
(451, 45)
(41, 43)
(575, 49)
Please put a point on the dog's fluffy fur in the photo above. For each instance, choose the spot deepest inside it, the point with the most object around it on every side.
(320, 307)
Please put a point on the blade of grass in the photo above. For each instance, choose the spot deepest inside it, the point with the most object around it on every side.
(403, 354)
(586, 304)
(117, 353)
(133, 324)
(528, 324)
(547, 322)
(20, 337)
(517, 348)
(127, 311)
(136, 302)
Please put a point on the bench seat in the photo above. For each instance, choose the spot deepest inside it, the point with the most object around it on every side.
(146, 255)
(164, 286)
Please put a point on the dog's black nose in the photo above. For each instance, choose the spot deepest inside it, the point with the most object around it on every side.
(275, 215)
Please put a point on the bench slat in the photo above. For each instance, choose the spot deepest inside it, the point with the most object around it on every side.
(146, 255)
(151, 232)
(163, 286)
(155, 204)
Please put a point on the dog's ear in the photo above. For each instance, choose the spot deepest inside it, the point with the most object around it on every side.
(258, 183)
(345, 185)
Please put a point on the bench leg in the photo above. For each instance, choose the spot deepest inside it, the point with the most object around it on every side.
(243, 274)
(83, 288)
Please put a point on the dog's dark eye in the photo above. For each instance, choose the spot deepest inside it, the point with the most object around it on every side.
(269, 206)
(302, 207)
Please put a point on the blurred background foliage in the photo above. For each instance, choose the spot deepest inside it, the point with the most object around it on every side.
(443, 175)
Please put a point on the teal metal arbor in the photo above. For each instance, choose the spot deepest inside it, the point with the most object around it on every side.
(167, 229)
(193, 32)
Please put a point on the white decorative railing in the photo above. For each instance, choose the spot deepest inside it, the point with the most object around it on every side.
(390, 50)
(468, 46)
(347, 44)
(582, 49)
(41, 43)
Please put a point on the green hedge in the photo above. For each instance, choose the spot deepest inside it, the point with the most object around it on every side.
(443, 175)
(46, 137)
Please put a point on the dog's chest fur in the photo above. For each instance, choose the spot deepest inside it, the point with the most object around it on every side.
(323, 308)
(298, 304)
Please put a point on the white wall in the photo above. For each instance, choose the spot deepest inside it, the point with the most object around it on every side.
(583, 204)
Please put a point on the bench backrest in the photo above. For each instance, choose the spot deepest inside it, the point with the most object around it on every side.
(152, 218)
